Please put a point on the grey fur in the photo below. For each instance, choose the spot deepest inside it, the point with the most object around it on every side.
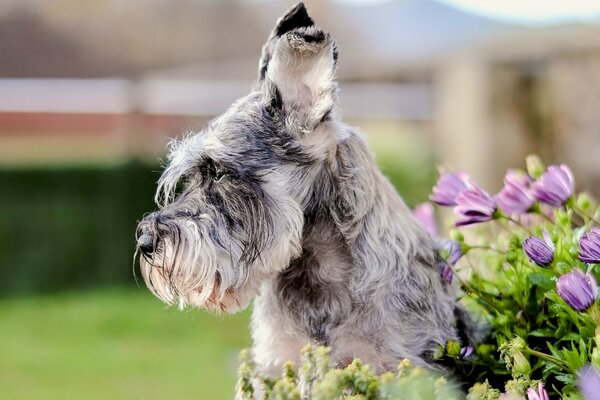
(280, 201)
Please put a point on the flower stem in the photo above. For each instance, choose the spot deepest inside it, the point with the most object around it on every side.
(585, 215)
(481, 247)
(547, 357)
(519, 224)
(546, 217)
(471, 291)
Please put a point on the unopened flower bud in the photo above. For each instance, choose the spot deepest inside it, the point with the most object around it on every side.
(520, 364)
(535, 167)
(453, 348)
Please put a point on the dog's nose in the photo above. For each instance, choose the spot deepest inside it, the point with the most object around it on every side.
(146, 244)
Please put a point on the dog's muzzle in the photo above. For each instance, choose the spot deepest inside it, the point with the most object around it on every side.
(145, 243)
(146, 236)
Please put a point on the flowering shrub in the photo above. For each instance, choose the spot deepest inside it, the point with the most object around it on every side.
(316, 381)
(528, 276)
(527, 261)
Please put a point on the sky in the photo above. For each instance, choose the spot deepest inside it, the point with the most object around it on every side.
(525, 11)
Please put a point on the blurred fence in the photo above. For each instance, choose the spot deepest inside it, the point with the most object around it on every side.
(65, 228)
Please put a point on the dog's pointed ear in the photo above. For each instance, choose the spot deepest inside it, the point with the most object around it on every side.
(299, 70)
(295, 17)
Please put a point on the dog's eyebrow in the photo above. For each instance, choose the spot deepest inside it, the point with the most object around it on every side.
(208, 165)
(206, 162)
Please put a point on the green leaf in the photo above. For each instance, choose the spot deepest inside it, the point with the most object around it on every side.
(542, 279)
(542, 332)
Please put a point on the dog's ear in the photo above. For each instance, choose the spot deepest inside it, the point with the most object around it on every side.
(299, 70)
(295, 17)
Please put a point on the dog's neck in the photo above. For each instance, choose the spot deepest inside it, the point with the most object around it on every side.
(351, 207)
(367, 209)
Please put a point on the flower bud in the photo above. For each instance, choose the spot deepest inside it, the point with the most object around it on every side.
(539, 251)
(556, 186)
(465, 352)
(425, 214)
(453, 348)
(538, 393)
(589, 247)
(520, 364)
(577, 289)
(448, 187)
(584, 201)
(474, 206)
(535, 167)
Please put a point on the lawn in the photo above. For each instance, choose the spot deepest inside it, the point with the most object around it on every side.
(115, 344)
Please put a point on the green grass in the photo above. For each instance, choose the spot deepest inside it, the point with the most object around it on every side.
(116, 344)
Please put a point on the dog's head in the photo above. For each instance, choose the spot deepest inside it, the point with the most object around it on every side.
(231, 198)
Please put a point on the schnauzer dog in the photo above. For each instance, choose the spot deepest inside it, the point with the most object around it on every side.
(279, 201)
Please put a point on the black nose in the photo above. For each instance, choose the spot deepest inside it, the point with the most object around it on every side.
(146, 244)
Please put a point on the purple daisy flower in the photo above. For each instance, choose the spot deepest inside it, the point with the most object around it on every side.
(446, 272)
(515, 197)
(448, 186)
(465, 352)
(539, 251)
(426, 216)
(537, 394)
(555, 187)
(589, 382)
(474, 206)
(579, 290)
(589, 247)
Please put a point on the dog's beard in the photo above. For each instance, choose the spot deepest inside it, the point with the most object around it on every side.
(188, 268)
(218, 258)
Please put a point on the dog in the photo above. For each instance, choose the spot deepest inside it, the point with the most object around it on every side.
(280, 202)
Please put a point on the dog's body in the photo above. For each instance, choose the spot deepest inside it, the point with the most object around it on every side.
(283, 202)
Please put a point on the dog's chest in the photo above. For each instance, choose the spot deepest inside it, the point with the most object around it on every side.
(315, 289)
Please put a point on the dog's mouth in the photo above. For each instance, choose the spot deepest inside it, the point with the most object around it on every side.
(173, 287)
(186, 263)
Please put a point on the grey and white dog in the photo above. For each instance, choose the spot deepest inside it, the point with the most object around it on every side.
(280, 201)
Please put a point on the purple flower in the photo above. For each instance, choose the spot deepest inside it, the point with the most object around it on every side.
(539, 394)
(515, 197)
(589, 382)
(555, 187)
(579, 290)
(446, 272)
(589, 247)
(448, 186)
(539, 251)
(474, 206)
(451, 248)
(455, 251)
(425, 215)
(465, 352)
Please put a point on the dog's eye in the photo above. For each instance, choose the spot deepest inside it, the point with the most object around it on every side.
(218, 174)
(214, 172)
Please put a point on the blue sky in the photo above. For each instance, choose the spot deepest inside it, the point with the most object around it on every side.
(528, 11)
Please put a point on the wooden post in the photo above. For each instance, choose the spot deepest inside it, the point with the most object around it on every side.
(462, 131)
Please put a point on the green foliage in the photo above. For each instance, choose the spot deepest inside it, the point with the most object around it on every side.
(68, 227)
(534, 334)
(315, 380)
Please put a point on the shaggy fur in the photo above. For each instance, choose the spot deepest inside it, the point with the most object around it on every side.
(280, 201)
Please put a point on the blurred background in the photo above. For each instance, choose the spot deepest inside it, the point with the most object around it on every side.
(91, 91)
